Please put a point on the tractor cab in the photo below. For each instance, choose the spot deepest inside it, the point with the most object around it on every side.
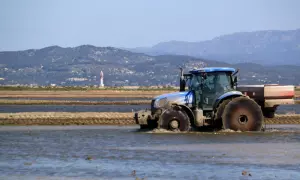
(207, 84)
(207, 97)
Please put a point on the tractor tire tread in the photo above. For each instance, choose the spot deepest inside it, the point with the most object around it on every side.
(248, 105)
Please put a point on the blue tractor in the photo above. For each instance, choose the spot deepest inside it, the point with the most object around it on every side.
(208, 97)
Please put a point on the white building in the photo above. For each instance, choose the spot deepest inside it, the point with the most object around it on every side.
(101, 79)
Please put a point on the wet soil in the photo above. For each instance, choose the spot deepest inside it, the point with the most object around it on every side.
(112, 152)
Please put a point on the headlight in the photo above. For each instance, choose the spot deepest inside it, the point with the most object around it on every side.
(160, 102)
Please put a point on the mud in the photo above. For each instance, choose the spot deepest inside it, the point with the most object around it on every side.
(112, 152)
(100, 118)
(268, 128)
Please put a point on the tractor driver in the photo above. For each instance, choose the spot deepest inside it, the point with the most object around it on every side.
(220, 87)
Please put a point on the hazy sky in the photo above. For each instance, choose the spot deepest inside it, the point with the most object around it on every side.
(26, 24)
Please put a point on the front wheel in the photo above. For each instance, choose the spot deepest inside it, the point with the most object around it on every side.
(175, 119)
(242, 114)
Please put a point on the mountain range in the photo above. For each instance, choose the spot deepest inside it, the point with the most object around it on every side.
(263, 47)
(158, 65)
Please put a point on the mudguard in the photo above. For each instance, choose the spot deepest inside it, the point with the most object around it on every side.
(189, 112)
(225, 96)
(174, 114)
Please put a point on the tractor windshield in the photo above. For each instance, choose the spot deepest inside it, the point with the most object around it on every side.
(214, 85)
(214, 82)
(218, 82)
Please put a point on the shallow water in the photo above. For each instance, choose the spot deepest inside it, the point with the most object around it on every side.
(288, 109)
(57, 152)
(105, 108)
(71, 108)
(80, 99)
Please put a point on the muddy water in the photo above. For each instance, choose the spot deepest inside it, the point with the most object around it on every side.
(111, 152)
(71, 108)
(288, 109)
(105, 108)
(81, 99)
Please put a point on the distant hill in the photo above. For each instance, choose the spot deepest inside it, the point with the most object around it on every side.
(262, 47)
(82, 65)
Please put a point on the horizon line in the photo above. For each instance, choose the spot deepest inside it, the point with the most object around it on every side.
(150, 46)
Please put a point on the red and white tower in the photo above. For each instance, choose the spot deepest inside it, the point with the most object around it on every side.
(101, 79)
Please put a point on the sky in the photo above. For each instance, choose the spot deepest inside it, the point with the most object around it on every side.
(34, 24)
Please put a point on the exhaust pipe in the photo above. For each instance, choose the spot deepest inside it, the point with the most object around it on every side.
(182, 81)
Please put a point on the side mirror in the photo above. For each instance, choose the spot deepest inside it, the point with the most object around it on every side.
(235, 72)
(181, 81)
(182, 85)
(235, 80)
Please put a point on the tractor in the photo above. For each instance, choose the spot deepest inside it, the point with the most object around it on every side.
(208, 97)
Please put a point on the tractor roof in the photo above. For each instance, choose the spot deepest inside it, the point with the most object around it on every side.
(213, 69)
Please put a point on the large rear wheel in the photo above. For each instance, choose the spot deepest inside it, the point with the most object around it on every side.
(217, 123)
(242, 114)
(175, 119)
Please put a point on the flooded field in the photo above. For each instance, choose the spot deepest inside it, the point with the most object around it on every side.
(111, 152)
(105, 108)
(288, 108)
(80, 99)
(71, 108)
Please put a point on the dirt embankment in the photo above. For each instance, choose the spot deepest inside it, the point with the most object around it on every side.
(297, 94)
(66, 118)
(98, 118)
